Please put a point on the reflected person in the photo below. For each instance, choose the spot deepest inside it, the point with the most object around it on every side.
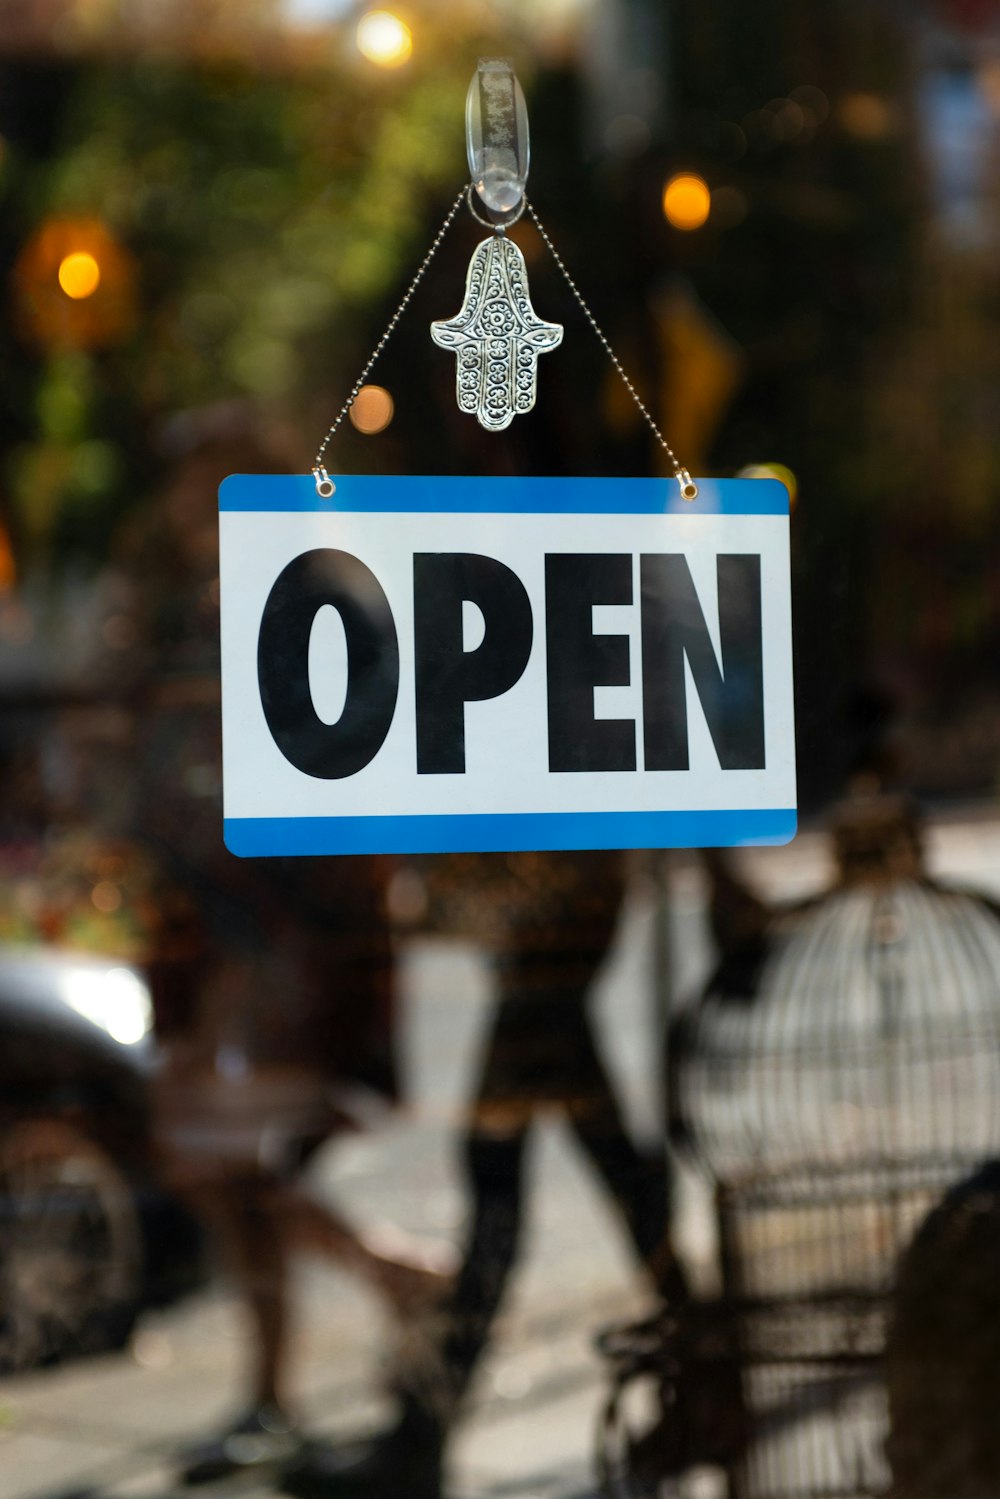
(558, 917)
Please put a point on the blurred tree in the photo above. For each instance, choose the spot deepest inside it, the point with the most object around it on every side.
(254, 196)
(243, 214)
(799, 118)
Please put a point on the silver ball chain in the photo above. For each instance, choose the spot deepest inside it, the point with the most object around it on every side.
(689, 488)
(324, 484)
(325, 487)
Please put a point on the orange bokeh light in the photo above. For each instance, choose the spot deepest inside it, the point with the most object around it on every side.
(75, 285)
(371, 410)
(687, 201)
(79, 275)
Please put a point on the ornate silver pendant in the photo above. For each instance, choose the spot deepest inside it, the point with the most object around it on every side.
(497, 337)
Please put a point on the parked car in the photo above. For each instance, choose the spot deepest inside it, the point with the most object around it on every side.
(88, 1237)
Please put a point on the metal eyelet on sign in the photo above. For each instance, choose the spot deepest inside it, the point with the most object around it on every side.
(325, 486)
(497, 147)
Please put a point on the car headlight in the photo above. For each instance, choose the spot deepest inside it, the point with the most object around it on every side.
(116, 999)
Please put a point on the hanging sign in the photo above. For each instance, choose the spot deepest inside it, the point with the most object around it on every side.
(420, 665)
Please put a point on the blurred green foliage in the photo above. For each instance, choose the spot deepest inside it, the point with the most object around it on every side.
(262, 214)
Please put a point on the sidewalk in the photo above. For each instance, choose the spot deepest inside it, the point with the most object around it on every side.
(110, 1428)
(107, 1428)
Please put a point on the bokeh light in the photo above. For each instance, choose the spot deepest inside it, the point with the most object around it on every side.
(74, 285)
(812, 101)
(779, 471)
(106, 897)
(384, 39)
(686, 201)
(371, 410)
(79, 275)
(783, 119)
(867, 116)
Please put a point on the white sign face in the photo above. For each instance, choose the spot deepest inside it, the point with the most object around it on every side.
(422, 665)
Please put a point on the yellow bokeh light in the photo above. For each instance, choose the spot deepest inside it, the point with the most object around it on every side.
(384, 39)
(371, 410)
(686, 201)
(59, 269)
(79, 275)
(779, 471)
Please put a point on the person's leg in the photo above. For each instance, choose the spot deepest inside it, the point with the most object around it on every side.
(494, 1164)
(637, 1180)
(257, 1255)
(409, 1455)
(254, 1249)
(405, 1272)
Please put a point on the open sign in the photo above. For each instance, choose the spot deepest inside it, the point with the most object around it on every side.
(432, 664)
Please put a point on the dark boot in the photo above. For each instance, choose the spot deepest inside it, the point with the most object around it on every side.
(405, 1459)
(266, 1438)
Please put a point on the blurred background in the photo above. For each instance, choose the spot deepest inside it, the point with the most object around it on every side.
(786, 218)
(225, 204)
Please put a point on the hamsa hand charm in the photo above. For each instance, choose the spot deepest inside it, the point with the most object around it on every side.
(497, 337)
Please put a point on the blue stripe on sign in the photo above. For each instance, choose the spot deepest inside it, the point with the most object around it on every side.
(501, 832)
(449, 494)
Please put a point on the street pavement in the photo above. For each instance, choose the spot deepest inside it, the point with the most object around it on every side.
(108, 1428)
